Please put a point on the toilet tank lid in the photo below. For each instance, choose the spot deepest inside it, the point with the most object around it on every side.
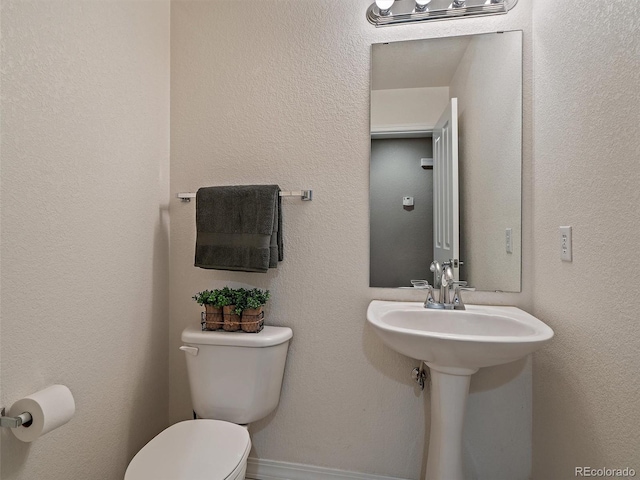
(268, 337)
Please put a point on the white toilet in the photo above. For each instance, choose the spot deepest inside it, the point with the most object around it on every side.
(235, 379)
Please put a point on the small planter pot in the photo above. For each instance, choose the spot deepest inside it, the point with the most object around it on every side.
(231, 320)
(252, 320)
(212, 317)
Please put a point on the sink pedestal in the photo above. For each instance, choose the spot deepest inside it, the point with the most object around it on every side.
(480, 336)
(449, 393)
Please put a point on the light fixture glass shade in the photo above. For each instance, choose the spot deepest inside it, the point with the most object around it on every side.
(423, 3)
(384, 5)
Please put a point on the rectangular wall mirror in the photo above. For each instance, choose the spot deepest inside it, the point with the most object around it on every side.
(446, 160)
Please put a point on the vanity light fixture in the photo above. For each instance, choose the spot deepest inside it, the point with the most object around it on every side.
(383, 13)
(421, 5)
(384, 6)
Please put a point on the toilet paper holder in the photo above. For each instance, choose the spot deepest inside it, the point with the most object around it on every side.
(14, 422)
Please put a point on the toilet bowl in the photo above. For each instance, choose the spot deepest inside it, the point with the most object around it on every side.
(235, 378)
(194, 450)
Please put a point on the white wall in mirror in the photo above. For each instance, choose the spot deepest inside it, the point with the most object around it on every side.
(489, 87)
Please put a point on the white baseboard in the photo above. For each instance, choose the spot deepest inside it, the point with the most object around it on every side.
(258, 469)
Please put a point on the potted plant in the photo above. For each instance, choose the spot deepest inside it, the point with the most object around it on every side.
(252, 314)
(233, 309)
(213, 302)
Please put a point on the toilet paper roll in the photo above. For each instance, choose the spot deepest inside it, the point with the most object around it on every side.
(49, 408)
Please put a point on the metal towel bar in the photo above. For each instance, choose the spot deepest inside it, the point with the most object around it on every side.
(306, 195)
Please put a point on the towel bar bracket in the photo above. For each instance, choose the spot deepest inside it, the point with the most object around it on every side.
(305, 195)
(186, 197)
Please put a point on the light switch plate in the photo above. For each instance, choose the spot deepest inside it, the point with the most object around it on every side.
(565, 244)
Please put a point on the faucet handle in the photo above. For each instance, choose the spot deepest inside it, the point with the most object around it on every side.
(430, 301)
(457, 302)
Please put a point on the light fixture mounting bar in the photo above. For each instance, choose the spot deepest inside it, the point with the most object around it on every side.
(407, 11)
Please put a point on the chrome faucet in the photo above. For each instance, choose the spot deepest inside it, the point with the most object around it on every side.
(446, 282)
(444, 273)
(437, 272)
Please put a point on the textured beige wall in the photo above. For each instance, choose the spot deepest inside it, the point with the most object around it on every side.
(285, 99)
(587, 175)
(85, 146)
(282, 96)
(488, 85)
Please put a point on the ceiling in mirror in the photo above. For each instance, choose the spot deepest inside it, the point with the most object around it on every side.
(403, 65)
(447, 188)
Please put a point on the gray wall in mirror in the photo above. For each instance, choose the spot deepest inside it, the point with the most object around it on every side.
(400, 235)
(411, 84)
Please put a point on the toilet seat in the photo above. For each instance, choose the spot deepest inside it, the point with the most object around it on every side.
(193, 450)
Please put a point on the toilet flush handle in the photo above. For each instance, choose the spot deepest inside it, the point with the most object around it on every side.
(190, 350)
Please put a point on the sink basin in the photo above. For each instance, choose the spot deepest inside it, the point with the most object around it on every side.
(455, 344)
(480, 336)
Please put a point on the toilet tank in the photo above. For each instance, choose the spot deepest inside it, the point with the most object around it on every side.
(235, 376)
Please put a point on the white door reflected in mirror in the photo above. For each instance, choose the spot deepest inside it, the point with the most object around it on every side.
(446, 220)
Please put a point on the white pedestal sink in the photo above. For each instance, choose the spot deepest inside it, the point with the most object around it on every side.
(455, 344)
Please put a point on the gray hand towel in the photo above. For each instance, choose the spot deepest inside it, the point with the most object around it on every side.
(239, 228)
